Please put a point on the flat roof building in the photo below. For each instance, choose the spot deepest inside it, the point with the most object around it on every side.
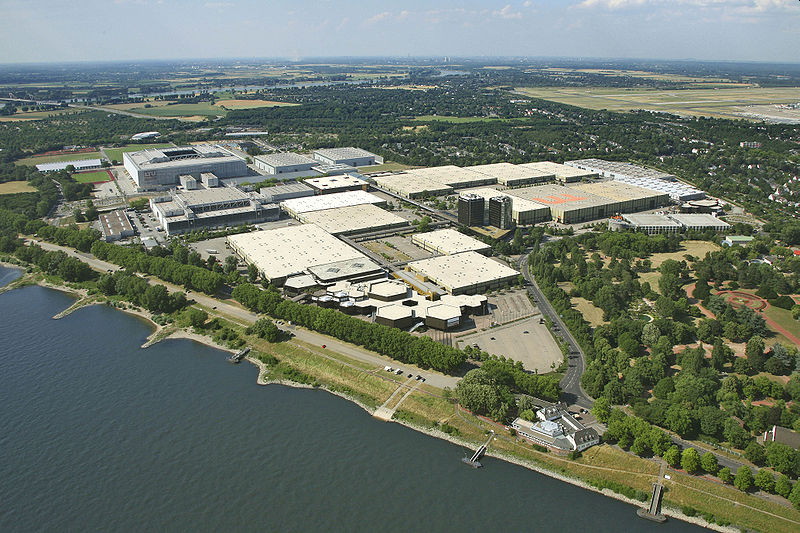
(523, 212)
(443, 316)
(297, 206)
(354, 157)
(643, 177)
(562, 173)
(568, 205)
(630, 198)
(464, 273)
(395, 316)
(284, 252)
(471, 210)
(286, 191)
(511, 175)
(186, 210)
(80, 164)
(331, 184)
(453, 176)
(412, 186)
(115, 225)
(285, 163)
(353, 219)
(161, 168)
(448, 242)
(700, 221)
(652, 223)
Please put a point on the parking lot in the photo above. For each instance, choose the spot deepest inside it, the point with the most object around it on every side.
(217, 247)
(526, 341)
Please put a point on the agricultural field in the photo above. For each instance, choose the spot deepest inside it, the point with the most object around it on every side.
(23, 116)
(38, 160)
(198, 111)
(722, 102)
(96, 176)
(15, 187)
(115, 154)
(644, 74)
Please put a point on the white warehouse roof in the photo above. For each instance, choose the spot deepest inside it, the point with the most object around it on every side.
(448, 241)
(295, 206)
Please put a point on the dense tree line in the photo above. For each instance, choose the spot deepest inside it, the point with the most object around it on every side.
(153, 297)
(392, 342)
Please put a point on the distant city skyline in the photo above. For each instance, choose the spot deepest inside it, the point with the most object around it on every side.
(97, 30)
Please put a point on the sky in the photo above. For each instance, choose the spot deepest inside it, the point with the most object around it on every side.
(100, 30)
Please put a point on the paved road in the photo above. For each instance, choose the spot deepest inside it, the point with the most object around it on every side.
(571, 382)
(233, 310)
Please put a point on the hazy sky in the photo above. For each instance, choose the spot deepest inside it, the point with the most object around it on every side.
(78, 30)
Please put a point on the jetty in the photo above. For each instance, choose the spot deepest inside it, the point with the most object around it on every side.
(474, 461)
(238, 356)
(653, 513)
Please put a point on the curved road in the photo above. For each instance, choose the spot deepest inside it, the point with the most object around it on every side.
(571, 382)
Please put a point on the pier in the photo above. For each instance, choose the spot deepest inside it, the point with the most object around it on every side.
(653, 513)
(474, 461)
(238, 356)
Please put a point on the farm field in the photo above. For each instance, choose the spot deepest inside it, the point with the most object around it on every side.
(726, 102)
(161, 108)
(14, 187)
(37, 160)
(96, 176)
(644, 74)
(38, 115)
(115, 154)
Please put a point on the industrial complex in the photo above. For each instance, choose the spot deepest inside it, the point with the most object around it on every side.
(464, 273)
(642, 176)
(160, 168)
(218, 207)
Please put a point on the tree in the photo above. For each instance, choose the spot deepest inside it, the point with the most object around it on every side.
(602, 409)
(709, 463)
(783, 486)
(701, 290)
(650, 334)
(755, 453)
(725, 475)
(673, 456)
(721, 354)
(252, 273)
(735, 434)
(690, 460)
(744, 479)
(794, 496)
(755, 353)
(765, 481)
(196, 317)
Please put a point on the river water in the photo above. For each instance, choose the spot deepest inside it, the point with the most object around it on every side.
(97, 434)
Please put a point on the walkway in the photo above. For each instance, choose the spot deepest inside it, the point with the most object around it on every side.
(386, 411)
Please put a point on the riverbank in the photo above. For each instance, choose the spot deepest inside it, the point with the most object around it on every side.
(427, 410)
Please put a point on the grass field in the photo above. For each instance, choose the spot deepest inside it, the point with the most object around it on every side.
(39, 115)
(56, 158)
(116, 153)
(96, 176)
(251, 104)
(161, 108)
(592, 314)
(14, 187)
(728, 102)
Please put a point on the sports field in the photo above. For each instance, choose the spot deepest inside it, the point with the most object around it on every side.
(96, 176)
(728, 102)
(37, 160)
(115, 154)
(14, 187)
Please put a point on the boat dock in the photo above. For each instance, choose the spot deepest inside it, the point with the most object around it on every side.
(474, 461)
(238, 356)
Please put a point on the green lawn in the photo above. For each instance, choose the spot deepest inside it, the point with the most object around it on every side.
(386, 167)
(115, 154)
(181, 110)
(92, 177)
(55, 158)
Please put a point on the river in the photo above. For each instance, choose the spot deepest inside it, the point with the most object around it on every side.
(97, 434)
